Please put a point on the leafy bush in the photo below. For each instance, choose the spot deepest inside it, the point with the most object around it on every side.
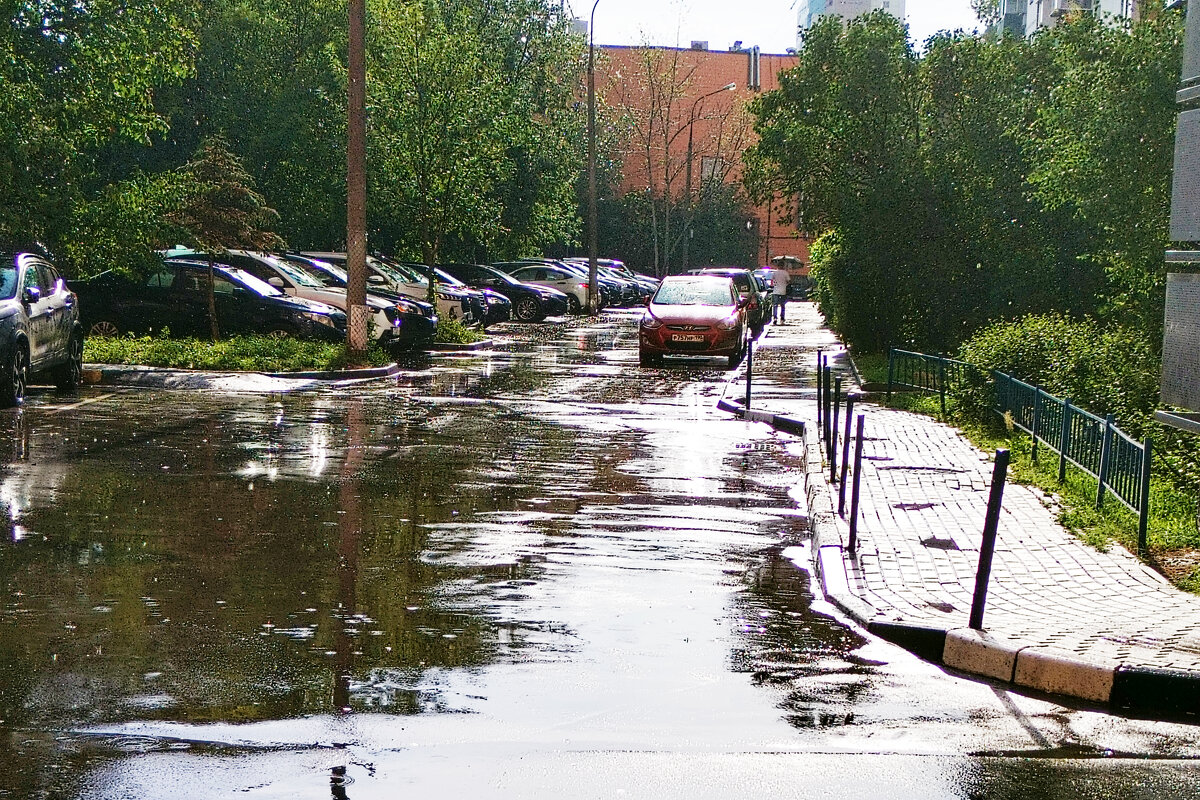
(453, 331)
(243, 353)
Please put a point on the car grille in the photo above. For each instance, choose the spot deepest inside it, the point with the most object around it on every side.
(687, 327)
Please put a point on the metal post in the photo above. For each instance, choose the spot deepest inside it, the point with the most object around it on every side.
(828, 403)
(991, 524)
(942, 384)
(833, 432)
(845, 455)
(749, 370)
(819, 388)
(891, 373)
(858, 445)
(1064, 441)
(1144, 511)
(1105, 456)
(1037, 419)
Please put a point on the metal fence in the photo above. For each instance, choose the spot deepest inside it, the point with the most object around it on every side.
(1120, 465)
(926, 373)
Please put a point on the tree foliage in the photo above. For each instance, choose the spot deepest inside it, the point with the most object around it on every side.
(75, 77)
(989, 179)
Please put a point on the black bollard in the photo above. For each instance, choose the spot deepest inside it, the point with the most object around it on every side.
(991, 524)
(858, 443)
(833, 432)
(819, 387)
(845, 455)
(749, 370)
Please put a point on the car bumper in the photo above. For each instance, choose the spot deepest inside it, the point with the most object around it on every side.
(662, 341)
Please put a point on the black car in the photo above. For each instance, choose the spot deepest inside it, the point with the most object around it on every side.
(496, 307)
(530, 303)
(39, 326)
(176, 297)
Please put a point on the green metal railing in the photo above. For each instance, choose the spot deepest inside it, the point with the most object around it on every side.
(926, 373)
(1120, 465)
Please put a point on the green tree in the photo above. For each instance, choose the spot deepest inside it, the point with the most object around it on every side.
(222, 211)
(76, 76)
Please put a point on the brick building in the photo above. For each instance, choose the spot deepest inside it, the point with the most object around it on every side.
(670, 98)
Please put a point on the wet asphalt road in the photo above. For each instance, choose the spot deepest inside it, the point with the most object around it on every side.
(543, 572)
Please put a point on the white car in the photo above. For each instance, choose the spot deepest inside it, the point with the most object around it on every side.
(294, 281)
(575, 287)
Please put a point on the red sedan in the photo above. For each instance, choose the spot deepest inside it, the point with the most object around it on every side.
(694, 315)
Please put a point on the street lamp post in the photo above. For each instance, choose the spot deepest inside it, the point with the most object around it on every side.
(729, 87)
(592, 295)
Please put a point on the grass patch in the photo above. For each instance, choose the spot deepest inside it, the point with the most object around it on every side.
(238, 353)
(453, 331)
(872, 367)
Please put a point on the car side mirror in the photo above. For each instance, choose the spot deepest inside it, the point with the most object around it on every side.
(646, 300)
(275, 281)
(743, 302)
(32, 294)
(376, 280)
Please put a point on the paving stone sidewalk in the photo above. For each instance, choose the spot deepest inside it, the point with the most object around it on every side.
(1061, 616)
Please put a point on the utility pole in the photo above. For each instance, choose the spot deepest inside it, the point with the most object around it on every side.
(592, 295)
(356, 185)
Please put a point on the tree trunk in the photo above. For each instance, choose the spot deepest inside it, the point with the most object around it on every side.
(212, 303)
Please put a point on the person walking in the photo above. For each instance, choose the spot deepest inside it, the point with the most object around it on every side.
(779, 288)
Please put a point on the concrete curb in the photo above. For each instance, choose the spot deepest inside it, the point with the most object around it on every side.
(1130, 690)
(164, 378)
(454, 347)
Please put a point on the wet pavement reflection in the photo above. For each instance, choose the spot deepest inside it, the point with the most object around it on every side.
(544, 548)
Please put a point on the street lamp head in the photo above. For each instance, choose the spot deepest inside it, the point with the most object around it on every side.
(729, 87)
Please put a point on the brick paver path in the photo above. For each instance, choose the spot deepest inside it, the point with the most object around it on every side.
(924, 495)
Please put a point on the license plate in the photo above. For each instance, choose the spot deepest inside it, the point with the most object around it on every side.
(686, 337)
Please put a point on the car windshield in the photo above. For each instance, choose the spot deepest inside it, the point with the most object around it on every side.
(297, 274)
(447, 278)
(328, 274)
(252, 283)
(8, 281)
(694, 293)
(395, 272)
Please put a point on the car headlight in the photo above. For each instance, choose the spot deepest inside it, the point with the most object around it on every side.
(320, 319)
(729, 323)
(651, 322)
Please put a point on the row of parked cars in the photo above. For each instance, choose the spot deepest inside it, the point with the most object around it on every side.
(43, 321)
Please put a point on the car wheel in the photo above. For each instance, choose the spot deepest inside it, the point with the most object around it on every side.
(281, 332)
(527, 309)
(573, 305)
(69, 374)
(14, 377)
(104, 327)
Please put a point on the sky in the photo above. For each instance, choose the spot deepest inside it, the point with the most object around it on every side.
(770, 24)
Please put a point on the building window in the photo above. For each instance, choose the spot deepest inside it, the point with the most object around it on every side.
(712, 170)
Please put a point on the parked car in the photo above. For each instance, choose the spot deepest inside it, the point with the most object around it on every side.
(39, 326)
(176, 297)
(759, 307)
(694, 315)
(298, 280)
(556, 277)
(386, 275)
(530, 303)
(497, 307)
(416, 322)
(633, 289)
